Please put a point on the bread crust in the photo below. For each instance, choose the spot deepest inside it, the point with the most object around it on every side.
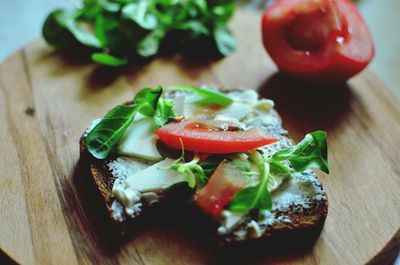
(305, 222)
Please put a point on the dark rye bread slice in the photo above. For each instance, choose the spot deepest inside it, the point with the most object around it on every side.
(305, 221)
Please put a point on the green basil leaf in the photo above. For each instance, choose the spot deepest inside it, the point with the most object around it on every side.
(55, 32)
(107, 59)
(150, 44)
(101, 140)
(224, 40)
(140, 14)
(201, 5)
(109, 6)
(61, 30)
(193, 28)
(224, 11)
(83, 36)
(208, 96)
(310, 153)
(147, 100)
(106, 29)
(277, 168)
(90, 9)
(164, 112)
(256, 197)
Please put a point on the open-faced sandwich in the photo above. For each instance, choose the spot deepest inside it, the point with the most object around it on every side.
(229, 150)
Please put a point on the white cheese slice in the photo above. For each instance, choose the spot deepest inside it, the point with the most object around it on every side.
(236, 110)
(184, 105)
(189, 109)
(124, 166)
(128, 197)
(154, 178)
(140, 140)
(179, 105)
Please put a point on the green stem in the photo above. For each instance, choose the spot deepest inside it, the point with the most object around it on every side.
(265, 176)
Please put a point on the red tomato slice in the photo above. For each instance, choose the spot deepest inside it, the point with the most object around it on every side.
(221, 187)
(213, 137)
(317, 40)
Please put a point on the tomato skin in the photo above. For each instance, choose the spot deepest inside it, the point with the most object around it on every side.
(219, 190)
(205, 137)
(323, 41)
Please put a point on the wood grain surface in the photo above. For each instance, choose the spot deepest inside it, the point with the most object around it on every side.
(48, 98)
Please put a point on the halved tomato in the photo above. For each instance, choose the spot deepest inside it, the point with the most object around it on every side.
(213, 137)
(220, 188)
(317, 40)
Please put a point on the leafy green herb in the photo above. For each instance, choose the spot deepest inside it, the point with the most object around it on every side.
(310, 153)
(101, 140)
(147, 100)
(243, 165)
(225, 42)
(150, 44)
(128, 29)
(191, 171)
(107, 59)
(164, 112)
(62, 30)
(254, 196)
(140, 13)
(208, 96)
(277, 168)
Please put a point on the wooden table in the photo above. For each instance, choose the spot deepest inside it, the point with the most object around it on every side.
(47, 99)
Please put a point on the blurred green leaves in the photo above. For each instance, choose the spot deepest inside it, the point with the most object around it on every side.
(120, 31)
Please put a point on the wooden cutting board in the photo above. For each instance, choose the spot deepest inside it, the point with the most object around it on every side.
(47, 99)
